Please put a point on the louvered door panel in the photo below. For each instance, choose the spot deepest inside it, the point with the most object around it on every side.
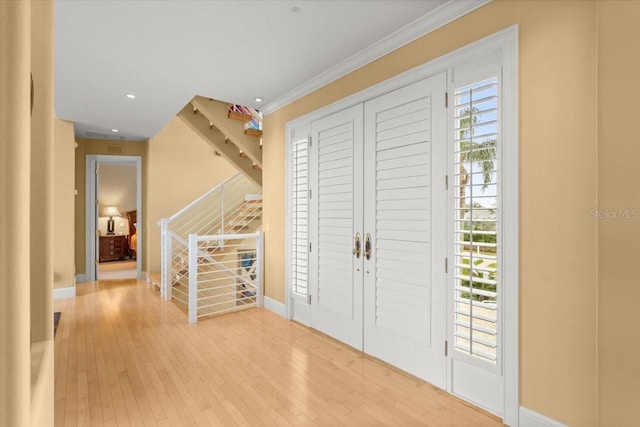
(299, 216)
(336, 203)
(398, 122)
(404, 148)
(335, 147)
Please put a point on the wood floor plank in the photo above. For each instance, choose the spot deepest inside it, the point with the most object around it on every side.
(125, 357)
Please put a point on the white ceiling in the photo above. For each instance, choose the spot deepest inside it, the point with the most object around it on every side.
(165, 52)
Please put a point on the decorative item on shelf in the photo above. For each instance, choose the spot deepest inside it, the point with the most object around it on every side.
(253, 128)
(111, 211)
(242, 113)
(250, 116)
(253, 124)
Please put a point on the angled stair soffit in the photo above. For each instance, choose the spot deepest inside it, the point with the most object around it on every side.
(216, 112)
(223, 143)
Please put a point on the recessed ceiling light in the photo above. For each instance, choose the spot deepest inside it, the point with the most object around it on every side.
(130, 96)
(115, 130)
(258, 99)
(295, 9)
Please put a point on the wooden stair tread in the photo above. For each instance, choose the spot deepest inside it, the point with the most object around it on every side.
(236, 115)
(253, 132)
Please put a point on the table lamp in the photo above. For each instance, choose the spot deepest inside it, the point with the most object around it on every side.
(111, 211)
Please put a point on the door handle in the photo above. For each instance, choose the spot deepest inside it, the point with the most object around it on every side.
(367, 246)
(356, 245)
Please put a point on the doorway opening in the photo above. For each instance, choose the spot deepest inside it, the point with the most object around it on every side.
(113, 214)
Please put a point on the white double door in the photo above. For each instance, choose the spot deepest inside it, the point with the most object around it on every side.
(378, 227)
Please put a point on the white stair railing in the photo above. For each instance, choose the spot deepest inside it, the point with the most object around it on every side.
(233, 205)
(224, 281)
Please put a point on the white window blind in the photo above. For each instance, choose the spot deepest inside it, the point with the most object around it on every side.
(476, 220)
(299, 216)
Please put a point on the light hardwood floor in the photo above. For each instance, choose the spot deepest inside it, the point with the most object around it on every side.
(124, 357)
(115, 270)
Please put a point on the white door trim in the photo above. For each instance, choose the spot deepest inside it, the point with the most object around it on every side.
(510, 225)
(90, 209)
(504, 42)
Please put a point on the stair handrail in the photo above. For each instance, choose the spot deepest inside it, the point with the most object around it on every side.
(220, 186)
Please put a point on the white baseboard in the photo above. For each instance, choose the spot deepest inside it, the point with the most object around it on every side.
(275, 306)
(61, 293)
(529, 418)
(81, 278)
(150, 279)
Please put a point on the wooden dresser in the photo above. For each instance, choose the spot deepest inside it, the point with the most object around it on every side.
(113, 247)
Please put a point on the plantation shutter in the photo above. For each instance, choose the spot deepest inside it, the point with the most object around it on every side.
(335, 273)
(405, 282)
(335, 207)
(476, 219)
(300, 216)
(402, 137)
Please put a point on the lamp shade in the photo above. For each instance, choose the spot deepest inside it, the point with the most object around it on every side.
(111, 211)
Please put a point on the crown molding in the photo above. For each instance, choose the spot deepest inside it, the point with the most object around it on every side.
(441, 16)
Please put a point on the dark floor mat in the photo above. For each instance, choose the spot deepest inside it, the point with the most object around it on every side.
(56, 319)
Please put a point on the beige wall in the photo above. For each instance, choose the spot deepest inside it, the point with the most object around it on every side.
(41, 194)
(619, 190)
(63, 204)
(557, 78)
(41, 216)
(117, 186)
(181, 167)
(94, 146)
(15, 136)
(26, 175)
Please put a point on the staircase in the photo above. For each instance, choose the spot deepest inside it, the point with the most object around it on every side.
(218, 274)
(234, 132)
(211, 250)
